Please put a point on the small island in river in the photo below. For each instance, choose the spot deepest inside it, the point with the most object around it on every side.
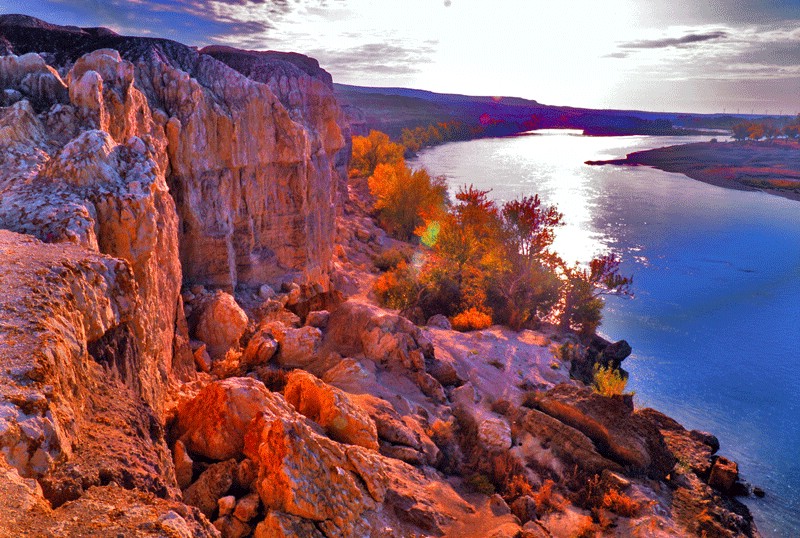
(772, 167)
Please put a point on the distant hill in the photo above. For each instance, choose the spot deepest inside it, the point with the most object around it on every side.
(392, 109)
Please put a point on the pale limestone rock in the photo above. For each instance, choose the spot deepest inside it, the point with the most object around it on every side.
(351, 376)
(213, 424)
(494, 434)
(342, 419)
(222, 323)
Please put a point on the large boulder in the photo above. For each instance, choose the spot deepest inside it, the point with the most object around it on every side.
(297, 348)
(618, 433)
(213, 424)
(332, 409)
(222, 323)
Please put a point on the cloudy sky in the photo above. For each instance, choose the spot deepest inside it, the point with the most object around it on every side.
(687, 55)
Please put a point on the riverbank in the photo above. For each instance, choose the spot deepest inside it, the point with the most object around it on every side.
(771, 167)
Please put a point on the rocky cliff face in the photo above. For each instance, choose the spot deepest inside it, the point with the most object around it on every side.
(253, 159)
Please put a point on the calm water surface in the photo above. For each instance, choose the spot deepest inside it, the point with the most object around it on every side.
(715, 323)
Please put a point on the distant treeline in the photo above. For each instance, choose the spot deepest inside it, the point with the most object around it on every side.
(753, 130)
(439, 133)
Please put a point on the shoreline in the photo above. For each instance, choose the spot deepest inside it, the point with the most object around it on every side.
(744, 166)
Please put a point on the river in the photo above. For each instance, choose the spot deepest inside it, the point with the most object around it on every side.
(715, 321)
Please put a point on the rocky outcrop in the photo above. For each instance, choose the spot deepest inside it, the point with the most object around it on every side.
(67, 345)
(616, 430)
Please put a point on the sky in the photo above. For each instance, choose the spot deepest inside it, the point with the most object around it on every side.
(660, 55)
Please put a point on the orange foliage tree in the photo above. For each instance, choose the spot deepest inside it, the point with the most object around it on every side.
(370, 151)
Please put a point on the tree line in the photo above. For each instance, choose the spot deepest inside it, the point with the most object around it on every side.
(476, 262)
(752, 130)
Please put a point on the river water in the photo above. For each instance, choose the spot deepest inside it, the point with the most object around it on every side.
(715, 321)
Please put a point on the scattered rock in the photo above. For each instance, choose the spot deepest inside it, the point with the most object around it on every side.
(247, 507)
(444, 372)
(498, 506)
(260, 349)
(210, 486)
(231, 527)
(494, 434)
(246, 473)
(226, 505)
(266, 292)
(524, 508)
(707, 439)
(281, 525)
(626, 437)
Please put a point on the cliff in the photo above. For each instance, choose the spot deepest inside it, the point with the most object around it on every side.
(141, 184)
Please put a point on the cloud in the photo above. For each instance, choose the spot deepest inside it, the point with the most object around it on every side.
(384, 58)
(688, 39)
(616, 55)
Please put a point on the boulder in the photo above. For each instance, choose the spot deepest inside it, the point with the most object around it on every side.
(351, 375)
(332, 409)
(707, 439)
(305, 474)
(297, 348)
(260, 349)
(724, 474)
(547, 441)
(221, 324)
(357, 328)
(494, 434)
(318, 319)
(619, 434)
(247, 508)
(440, 322)
(231, 527)
(443, 372)
(210, 487)
(213, 424)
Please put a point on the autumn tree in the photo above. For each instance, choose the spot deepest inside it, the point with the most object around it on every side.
(405, 198)
(370, 151)
(584, 289)
(530, 287)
